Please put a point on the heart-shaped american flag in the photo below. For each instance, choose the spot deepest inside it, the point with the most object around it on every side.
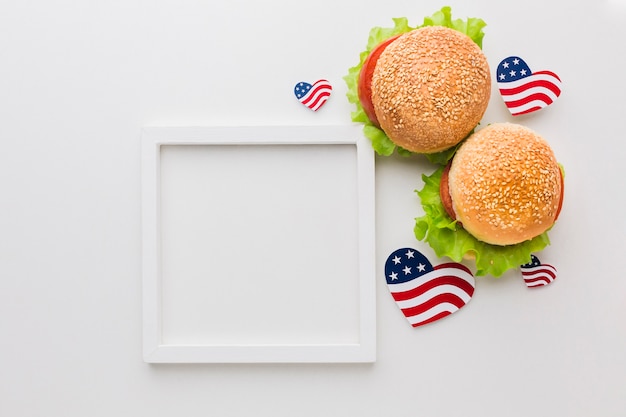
(536, 274)
(313, 95)
(425, 293)
(524, 91)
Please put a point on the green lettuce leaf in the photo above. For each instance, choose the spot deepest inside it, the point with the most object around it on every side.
(449, 239)
(473, 27)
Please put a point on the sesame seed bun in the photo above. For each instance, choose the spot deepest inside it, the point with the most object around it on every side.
(505, 184)
(430, 88)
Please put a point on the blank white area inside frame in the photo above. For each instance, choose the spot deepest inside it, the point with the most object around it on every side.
(259, 244)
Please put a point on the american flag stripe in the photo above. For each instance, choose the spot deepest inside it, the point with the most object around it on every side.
(317, 95)
(543, 79)
(538, 276)
(432, 284)
(533, 95)
(437, 293)
(530, 93)
(435, 313)
(419, 306)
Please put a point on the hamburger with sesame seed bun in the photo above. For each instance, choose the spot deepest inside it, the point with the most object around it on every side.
(504, 185)
(421, 89)
(495, 200)
(426, 89)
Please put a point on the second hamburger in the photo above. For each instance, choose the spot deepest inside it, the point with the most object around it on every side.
(495, 200)
(504, 185)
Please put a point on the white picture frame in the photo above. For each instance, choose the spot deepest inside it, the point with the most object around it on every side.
(187, 316)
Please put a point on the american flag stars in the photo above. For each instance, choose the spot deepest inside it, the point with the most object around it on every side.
(512, 68)
(420, 267)
(406, 264)
(301, 89)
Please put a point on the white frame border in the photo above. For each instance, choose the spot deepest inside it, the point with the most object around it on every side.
(154, 350)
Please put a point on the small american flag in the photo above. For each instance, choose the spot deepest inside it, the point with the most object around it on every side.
(313, 96)
(525, 91)
(536, 274)
(423, 293)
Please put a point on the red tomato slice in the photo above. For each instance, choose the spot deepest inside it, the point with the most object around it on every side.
(365, 79)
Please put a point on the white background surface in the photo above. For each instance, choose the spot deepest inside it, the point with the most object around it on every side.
(79, 79)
